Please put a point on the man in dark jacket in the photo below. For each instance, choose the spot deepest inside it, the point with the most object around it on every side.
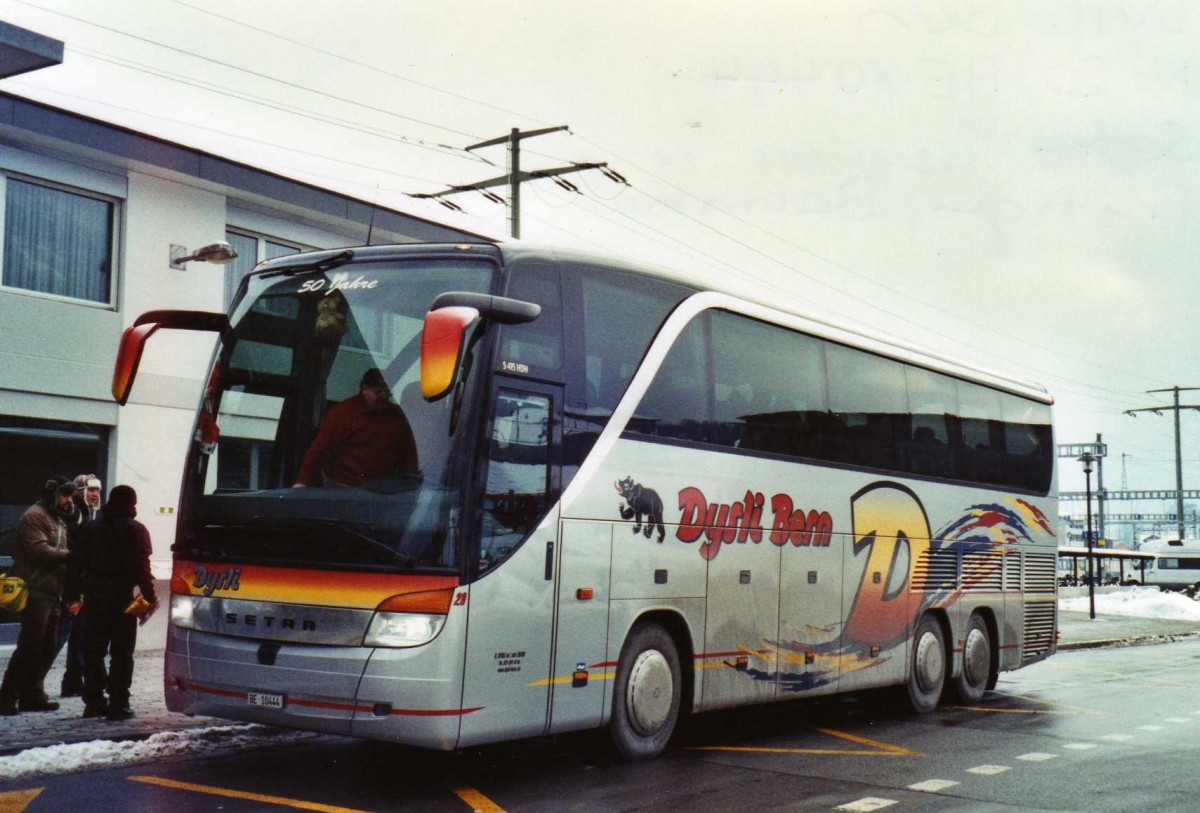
(114, 559)
(70, 625)
(40, 558)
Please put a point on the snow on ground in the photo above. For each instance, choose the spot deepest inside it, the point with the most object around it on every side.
(1142, 602)
(56, 759)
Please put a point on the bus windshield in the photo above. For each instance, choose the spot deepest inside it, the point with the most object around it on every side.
(314, 446)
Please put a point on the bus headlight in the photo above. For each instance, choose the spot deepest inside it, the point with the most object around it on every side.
(403, 629)
(183, 611)
(409, 619)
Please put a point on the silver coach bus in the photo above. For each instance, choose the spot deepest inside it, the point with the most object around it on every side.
(633, 498)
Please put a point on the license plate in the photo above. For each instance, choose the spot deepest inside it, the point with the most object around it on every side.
(264, 700)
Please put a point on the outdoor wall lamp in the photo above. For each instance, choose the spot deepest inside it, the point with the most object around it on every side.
(218, 253)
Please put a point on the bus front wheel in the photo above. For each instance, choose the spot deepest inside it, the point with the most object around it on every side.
(927, 669)
(646, 696)
(977, 666)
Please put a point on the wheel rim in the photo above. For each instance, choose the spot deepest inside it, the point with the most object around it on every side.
(975, 657)
(930, 663)
(649, 693)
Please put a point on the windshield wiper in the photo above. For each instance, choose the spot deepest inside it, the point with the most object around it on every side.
(320, 264)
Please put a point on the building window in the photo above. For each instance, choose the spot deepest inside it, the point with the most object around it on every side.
(252, 249)
(58, 241)
(35, 449)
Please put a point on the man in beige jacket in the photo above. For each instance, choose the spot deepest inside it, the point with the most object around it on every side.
(40, 558)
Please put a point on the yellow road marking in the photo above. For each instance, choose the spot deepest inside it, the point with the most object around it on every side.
(878, 749)
(892, 749)
(15, 801)
(479, 802)
(299, 804)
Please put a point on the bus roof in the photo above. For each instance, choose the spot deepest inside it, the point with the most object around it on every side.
(510, 252)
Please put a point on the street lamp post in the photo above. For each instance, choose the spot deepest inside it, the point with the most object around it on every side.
(1087, 459)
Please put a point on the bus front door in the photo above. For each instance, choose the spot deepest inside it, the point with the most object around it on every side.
(507, 674)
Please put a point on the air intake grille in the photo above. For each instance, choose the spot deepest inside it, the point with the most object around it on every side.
(981, 572)
(1040, 575)
(1039, 630)
(1012, 571)
(936, 570)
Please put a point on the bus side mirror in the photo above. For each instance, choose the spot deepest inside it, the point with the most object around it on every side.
(448, 325)
(443, 344)
(133, 342)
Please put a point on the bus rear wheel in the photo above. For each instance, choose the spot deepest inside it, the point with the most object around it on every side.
(647, 694)
(977, 666)
(927, 668)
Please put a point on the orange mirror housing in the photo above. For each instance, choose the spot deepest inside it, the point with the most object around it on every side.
(443, 342)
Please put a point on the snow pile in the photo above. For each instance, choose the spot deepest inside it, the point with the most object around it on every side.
(56, 759)
(1142, 602)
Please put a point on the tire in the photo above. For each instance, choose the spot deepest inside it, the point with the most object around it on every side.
(647, 694)
(927, 666)
(978, 663)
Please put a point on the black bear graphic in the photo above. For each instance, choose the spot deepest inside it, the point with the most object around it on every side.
(641, 502)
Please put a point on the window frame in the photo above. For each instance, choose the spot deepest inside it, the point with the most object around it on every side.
(116, 214)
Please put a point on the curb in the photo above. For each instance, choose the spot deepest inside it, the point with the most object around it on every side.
(1136, 640)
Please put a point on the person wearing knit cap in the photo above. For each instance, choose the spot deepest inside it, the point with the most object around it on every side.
(114, 559)
(40, 558)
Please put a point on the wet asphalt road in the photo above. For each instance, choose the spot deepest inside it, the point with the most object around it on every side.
(1090, 730)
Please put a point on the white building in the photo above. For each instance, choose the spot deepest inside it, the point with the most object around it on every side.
(90, 213)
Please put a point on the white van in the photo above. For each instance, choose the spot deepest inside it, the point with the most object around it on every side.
(1174, 568)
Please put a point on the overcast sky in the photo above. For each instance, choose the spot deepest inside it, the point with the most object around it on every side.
(1010, 183)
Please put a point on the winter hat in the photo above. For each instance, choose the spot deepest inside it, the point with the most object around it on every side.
(372, 378)
(57, 486)
(122, 498)
(86, 481)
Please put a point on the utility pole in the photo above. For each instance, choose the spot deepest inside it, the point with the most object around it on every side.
(1100, 488)
(515, 176)
(1176, 407)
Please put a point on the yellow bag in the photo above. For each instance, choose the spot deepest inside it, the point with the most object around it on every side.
(138, 607)
(14, 592)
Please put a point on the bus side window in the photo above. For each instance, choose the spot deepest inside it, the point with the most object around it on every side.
(536, 345)
(518, 469)
(770, 387)
(677, 404)
(613, 317)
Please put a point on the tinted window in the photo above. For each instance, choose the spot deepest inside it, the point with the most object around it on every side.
(614, 315)
(933, 405)
(869, 408)
(774, 390)
(678, 402)
(769, 387)
(534, 348)
(518, 461)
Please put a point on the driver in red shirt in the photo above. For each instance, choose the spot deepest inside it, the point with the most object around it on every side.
(363, 438)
